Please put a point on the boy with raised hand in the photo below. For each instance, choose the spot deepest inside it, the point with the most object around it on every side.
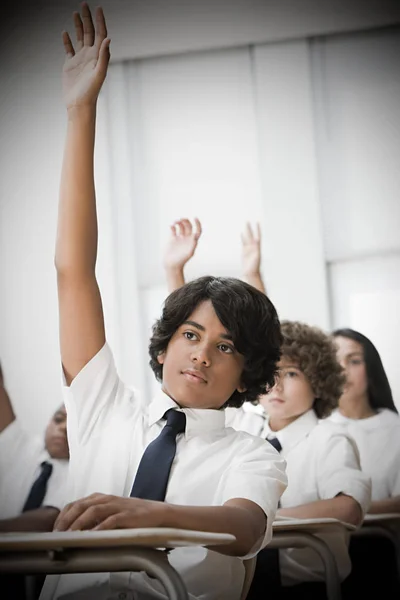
(170, 462)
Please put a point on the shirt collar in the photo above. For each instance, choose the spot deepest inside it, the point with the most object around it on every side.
(197, 419)
(293, 433)
(383, 418)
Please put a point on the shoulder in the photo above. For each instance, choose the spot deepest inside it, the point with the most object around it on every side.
(251, 447)
(16, 438)
(388, 419)
(327, 433)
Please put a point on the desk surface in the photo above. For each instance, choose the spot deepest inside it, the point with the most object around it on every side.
(380, 518)
(308, 525)
(157, 537)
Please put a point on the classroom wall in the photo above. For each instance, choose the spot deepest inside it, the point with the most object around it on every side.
(31, 142)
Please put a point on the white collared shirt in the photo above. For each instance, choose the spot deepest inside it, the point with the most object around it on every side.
(20, 457)
(378, 441)
(249, 417)
(322, 461)
(108, 431)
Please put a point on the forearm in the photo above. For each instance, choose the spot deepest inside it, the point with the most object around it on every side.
(175, 278)
(41, 519)
(76, 247)
(255, 280)
(7, 415)
(235, 520)
(342, 507)
(389, 505)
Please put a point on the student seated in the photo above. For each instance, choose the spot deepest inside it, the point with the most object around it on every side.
(169, 462)
(324, 475)
(33, 470)
(323, 468)
(367, 410)
(33, 477)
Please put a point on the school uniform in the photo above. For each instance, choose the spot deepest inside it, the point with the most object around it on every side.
(374, 559)
(21, 456)
(249, 417)
(378, 441)
(109, 429)
(322, 462)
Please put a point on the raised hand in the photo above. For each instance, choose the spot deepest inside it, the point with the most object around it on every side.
(182, 243)
(251, 250)
(85, 66)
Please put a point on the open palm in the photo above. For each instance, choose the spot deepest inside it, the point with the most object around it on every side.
(251, 250)
(85, 67)
(182, 243)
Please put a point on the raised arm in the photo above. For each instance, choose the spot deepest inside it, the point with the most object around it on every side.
(7, 415)
(251, 257)
(82, 332)
(180, 249)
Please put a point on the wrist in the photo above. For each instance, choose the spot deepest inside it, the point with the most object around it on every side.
(174, 269)
(165, 514)
(252, 273)
(81, 111)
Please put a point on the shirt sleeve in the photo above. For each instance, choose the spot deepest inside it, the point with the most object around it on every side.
(15, 445)
(258, 475)
(339, 470)
(94, 396)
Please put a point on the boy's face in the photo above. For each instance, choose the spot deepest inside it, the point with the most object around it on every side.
(201, 368)
(290, 397)
(56, 441)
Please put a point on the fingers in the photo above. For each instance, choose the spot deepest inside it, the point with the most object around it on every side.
(78, 30)
(101, 28)
(88, 27)
(248, 236)
(120, 520)
(69, 49)
(103, 60)
(93, 516)
(86, 35)
(198, 228)
(71, 512)
(187, 227)
(184, 228)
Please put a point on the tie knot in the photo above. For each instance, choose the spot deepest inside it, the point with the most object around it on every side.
(176, 420)
(275, 443)
(46, 468)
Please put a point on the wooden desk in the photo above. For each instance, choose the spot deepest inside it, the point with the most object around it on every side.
(104, 551)
(302, 533)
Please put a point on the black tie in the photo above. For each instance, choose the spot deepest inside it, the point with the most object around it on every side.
(38, 489)
(153, 472)
(275, 443)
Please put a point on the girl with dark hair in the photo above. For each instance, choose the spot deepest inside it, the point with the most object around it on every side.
(366, 407)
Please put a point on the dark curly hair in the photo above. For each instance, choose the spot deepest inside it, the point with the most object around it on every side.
(314, 353)
(248, 315)
(379, 391)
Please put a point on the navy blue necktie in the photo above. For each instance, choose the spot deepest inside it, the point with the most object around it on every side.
(275, 443)
(38, 489)
(153, 472)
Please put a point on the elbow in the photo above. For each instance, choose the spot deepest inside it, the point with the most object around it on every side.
(354, 513)
(246, 543)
